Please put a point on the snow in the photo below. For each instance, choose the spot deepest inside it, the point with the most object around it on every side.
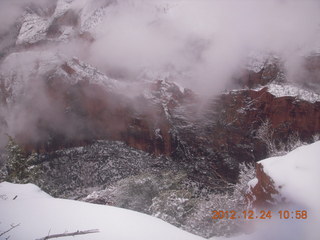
(86, 71)
(297, 175)
(181, 89)
(38, 214)
(23, 192)
(281, 90)
(252, 183)
(286, 90)
(62, 7)
(88, 22)
(157, 133)
(33, 29)
(92, 14)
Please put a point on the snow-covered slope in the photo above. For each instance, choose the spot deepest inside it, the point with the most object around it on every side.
(39, 214)
(297, 175)
(74, 16)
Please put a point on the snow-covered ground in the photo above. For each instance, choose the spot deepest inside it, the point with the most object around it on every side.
(39, 214)
(282, 90)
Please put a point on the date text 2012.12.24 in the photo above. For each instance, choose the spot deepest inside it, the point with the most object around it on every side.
(262, 214)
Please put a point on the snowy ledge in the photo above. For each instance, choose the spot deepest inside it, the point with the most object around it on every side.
(282, 90)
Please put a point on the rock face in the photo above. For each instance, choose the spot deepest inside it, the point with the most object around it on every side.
(287, 180)
(246, 110)
(93, 112)
(262, 194)
(268, 73)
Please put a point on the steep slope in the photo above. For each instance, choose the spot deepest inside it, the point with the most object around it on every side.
(289, 184)
(296, 186)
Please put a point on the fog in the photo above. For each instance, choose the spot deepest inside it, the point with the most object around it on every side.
(11, 10)
(208, 39)
(199, 44)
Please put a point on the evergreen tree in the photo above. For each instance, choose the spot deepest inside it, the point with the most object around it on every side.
(20, 166)
(16, 161)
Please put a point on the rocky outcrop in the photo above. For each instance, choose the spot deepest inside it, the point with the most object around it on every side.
(287, 180)
(246, 110)
(262, 193)
(269, 73)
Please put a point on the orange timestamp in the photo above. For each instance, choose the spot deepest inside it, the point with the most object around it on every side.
(263, 214)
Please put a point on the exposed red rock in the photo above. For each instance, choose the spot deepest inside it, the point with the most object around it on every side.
(262, 194)
(242, 112)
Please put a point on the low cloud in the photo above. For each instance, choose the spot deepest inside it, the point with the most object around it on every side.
(208, 39)
(201, 43)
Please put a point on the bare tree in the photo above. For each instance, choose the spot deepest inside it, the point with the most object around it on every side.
(201, 222)
(72, 234)
(265, 133)
(13, 226)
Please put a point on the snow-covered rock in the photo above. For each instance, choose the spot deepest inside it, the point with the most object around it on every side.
(75, 70)
(296, 175)
(288, 182)
(73, 17)
(34, 28)
(291, 90)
